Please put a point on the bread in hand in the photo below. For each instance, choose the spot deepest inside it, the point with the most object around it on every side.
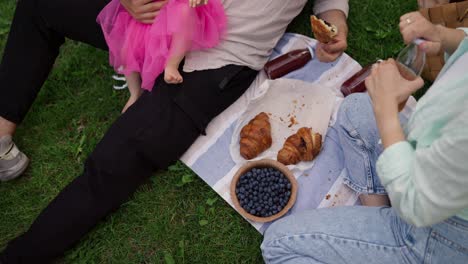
(255, 137)
(323, 31)
(304, 145)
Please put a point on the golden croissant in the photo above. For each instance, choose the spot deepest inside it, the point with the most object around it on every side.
(302, 146)
(255, 137)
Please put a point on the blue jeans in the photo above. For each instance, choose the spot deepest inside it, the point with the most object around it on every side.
(362, 234)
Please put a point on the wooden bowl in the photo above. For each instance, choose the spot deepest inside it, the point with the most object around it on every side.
(265, 163)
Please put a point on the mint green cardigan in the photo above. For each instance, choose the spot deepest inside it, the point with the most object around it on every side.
(426, 176)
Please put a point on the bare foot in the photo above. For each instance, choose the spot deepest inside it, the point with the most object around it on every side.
(172, 75)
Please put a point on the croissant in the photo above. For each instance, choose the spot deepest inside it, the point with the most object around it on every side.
(255, 137)
(302, 146)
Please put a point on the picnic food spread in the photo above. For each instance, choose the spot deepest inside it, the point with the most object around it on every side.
(255, 137)
(263, 192)
(301, 146)
(323, 31)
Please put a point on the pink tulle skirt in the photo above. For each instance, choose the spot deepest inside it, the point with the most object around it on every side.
(143, 48)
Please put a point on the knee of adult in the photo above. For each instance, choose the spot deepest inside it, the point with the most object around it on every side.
(273, 246)
(356, 104)
(274, 231)
(356, 114)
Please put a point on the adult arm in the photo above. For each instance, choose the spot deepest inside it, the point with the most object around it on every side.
(428, 185)
(425, 185)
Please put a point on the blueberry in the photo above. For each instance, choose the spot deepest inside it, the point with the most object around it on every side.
(288, 193)
(253, 211)
(288, 186)
(267, 207)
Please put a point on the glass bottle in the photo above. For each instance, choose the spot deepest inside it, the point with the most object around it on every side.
(287, 63)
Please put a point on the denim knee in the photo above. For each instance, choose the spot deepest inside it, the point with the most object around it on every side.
(357, 116)
(360, 141)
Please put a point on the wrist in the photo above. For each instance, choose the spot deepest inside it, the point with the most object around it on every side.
(390, 129)
(385, 108)
(441, 33)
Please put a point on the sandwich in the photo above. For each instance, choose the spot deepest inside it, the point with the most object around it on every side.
(323, 31)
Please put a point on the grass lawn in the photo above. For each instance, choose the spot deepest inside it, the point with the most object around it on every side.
(166, 221)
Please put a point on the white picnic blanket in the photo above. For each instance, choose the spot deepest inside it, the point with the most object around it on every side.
(321, 185)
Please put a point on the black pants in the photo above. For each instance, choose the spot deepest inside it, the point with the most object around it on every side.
(151, 135)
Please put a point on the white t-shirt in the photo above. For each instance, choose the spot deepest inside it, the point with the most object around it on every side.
(254, 27)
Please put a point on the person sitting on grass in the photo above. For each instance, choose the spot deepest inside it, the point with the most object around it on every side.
(157, 129)
(421, 170)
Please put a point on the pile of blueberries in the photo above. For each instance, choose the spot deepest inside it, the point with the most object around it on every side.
(263, 192)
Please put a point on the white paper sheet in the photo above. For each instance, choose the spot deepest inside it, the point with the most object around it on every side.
(290, 104)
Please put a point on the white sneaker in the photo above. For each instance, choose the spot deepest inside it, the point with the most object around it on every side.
(13, 162)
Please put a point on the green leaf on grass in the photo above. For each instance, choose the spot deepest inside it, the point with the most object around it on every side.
(168, 258)
(382, 34)
(174, 167)
(79, 149)
(211, 201)
(203, 222)
(187, 178)
(201, 209)
(182, 248)
(4, 31)
(368, 28)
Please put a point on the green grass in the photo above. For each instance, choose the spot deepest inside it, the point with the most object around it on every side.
(164, 220)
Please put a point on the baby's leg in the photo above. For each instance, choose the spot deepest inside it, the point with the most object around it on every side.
(134, 86)
(181, 43)
(171, 73)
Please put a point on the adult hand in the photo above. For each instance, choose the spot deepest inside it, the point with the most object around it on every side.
(387, 88)
(328, 52)
(144, 11)
(195, 3)
(413, 25)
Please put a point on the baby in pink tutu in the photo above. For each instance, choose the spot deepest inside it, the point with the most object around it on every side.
(143, 51)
